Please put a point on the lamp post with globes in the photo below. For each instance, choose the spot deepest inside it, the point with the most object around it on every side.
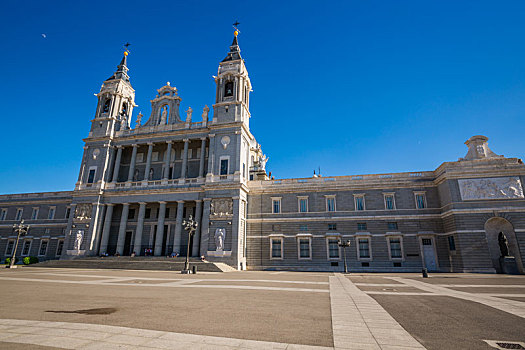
(344, 245)
(21, 230)
(190, 225)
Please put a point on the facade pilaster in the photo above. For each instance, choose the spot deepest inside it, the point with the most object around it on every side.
(148, 162)
(107, 227)
(91, 237)
(117, 164)
(178, 227)
(196, 236)
(184, 160)
(203, 155)
(160, 229)
(167, 161)
(211, 155)
(98, 231)
(109, 172)
(67, 238)
(205, 226)
(122, 228)
(132, 164)
(137, 246)
(236, 223)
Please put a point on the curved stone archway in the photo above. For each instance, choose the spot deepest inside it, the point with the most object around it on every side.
(493, 227)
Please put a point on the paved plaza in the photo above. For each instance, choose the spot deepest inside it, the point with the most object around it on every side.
(45, 308)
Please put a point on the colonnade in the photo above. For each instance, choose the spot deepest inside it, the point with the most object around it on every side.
(167, 161)
(159, 236)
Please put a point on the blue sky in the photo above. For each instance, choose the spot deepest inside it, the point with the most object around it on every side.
(353, 87)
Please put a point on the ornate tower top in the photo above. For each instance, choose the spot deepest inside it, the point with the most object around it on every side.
(235, 51)
(478, 148)
(122, 70)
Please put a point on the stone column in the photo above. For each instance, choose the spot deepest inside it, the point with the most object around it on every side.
(167, 161)
(178, 227)
(197, 235)
(203, 155)
(98, 231)
(109, 170)
(205, 227)
(122, 228)
(160, 229)
(236, 224)
(184, 160)
(237, 165)
(137, 246)
(107, 227)
(148, 162)
(117, 164)
(67, 234)
(211, 155)
(132, 164)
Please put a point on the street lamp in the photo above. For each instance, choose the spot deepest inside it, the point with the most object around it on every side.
(344, 245)
(21, 230)
(190, 225)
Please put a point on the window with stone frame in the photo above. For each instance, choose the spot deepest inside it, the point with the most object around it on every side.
(451, 243)
(395, 248)
(19, 213)
(34, 214)
(303, 204)
(51, 213)
(421, 200)
(392, 226)
(3, 214)
(332, 227)
(276, 205)
(305, 247)
(228, 89)
(333, 248)
(330, 203)
(43, 247)
(91, 175)
(60, 246)
(26, 247)
(364, 247)
(276, 248)
(390, 203)
(359, 201)
(9, 248)
(224, 167)
(68, 212)
(361, 226)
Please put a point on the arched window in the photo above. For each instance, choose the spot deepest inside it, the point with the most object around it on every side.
(124, 109)
(228, 89)
(105, 109)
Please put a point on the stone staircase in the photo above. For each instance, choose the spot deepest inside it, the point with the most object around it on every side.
(136, 263)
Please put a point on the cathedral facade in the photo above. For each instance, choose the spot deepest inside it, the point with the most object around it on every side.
(137, 186)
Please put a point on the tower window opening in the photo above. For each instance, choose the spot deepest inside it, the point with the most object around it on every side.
(105, 109)
(124, 109)
(228, 89)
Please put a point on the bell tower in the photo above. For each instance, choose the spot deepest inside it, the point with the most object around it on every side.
(232, 98)
(116, 100)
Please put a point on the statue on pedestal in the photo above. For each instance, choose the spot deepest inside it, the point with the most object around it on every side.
(219, 236)
(164, 115)
(503, 245)
(188, 115)
(78, 239)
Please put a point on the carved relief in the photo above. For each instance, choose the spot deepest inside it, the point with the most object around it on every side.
(221, 207)
(491, 188)
(83, 212)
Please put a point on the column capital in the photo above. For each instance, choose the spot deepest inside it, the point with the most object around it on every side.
(236, 198)
(162, 202)
(198, 200)
(119, 146)
(169, 142)
(109, 204)
(206, 199)
(180, 202)
(143, 203)
(186, 140)
(135, 145)
(125, 204)
(203, 138)
(211, 135)
(150, 143)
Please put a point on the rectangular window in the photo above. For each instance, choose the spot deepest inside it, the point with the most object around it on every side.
(364, 248)
(395, 248)
(131, 214)
(68, 212)
(34, 214)
(389, 202)
(190, 153)
(421, 202)
(332, 227)
(91, 176)
(333, 248)
(361, 226)
(43, 248)
(9, 248)
(60, 246)
(304, 248)
(147, 214)
(51, 214)
(392, 225)
(276, 206)
(3, 214)
(154, 156)
(140, 158)
(451, 243)
(330, 203)
(19, 212)
(303, 205)
(359, 202)
(303, 227)
(276, 248)
(224, 167)
(167, 213)
(26, 247)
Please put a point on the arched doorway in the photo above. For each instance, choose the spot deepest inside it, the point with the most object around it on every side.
(493, 227)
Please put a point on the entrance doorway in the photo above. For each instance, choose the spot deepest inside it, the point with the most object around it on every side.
(429, 253)
(495, 226)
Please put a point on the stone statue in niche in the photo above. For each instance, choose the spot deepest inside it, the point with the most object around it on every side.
(188, 115)
(150, 176)
(503, 245)
(220, 235)
(78, 239)
(205, 112)
(164, 115)
(83, 212)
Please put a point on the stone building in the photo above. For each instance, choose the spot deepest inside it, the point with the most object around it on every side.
(137, 185)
